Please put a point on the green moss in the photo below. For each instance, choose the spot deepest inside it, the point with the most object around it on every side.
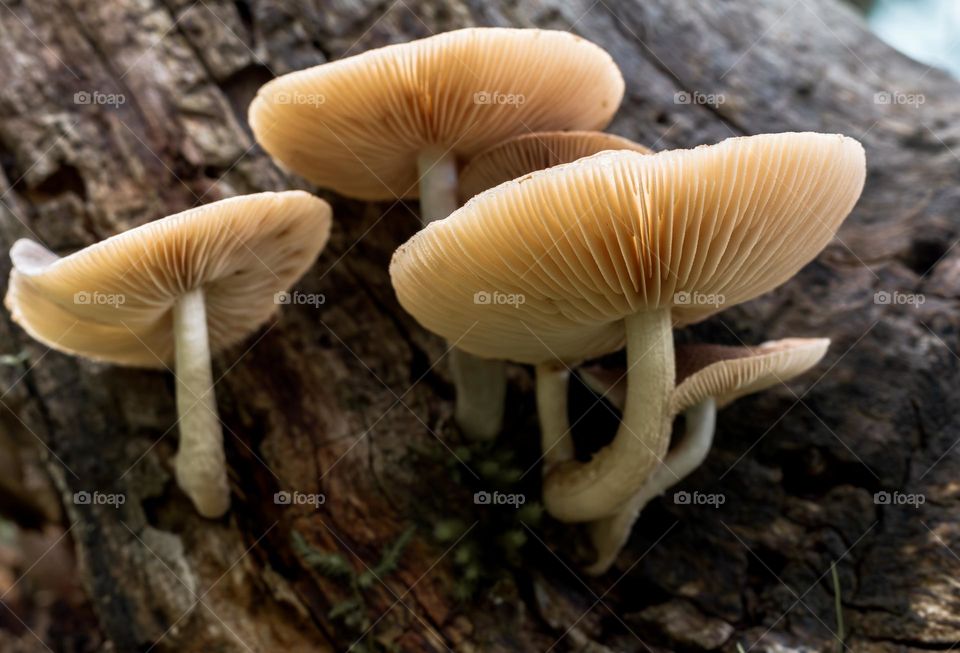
(352, 612)
(489, 540)
(329, 563)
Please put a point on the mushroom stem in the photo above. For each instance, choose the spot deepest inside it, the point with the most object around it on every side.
(576, 492)
(553, 380)
(437, 169)
(481, 383)
(609, 535)
(200, 463)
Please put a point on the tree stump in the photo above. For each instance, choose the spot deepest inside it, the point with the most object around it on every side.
(116, 113)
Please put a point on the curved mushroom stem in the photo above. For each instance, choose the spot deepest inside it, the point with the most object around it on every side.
(609, 535)
(575, 492)
(553, 380)
(200, 464)
(481, 383)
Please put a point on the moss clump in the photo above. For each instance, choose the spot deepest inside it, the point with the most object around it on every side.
(352, 612)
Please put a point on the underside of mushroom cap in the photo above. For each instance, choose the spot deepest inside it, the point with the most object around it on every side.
(537, 151)
(547, 266)
(728, 373)
(356, 125)
(113, 300)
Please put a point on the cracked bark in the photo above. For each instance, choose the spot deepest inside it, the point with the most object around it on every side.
(311, 403)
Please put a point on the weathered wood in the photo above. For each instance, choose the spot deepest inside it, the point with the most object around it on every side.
(345, 399)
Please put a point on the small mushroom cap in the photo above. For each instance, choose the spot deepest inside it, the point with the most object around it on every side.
(113, 301)
(547, 267)
(358, 124)
(728, 373)
(719, 371)
(528, 153)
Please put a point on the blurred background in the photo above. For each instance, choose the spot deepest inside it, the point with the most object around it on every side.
(927, 30)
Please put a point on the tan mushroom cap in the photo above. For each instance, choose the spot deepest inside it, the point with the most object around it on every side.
(356, 125)
(728, 373)
(113, 300)
(723, 372)
(547, 267)
(537, 151)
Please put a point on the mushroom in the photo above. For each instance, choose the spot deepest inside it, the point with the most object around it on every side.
(528, 153)
(511, 159)
(708, 377)
(170, 292)
(393, 123)
(620, 247)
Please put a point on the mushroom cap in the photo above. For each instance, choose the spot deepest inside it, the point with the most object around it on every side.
(528, 153)
(356, 125)
(113, 301)
(546, 267)
(719, 371)
(728, 373)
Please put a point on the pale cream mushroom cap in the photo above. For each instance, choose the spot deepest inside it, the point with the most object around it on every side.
(728, 373)
(528, 153)
(547, 267)
(722, 372)
(357, 125)
(113, 301)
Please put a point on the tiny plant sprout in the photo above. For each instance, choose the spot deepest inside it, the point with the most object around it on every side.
(169, 293)
(395, 122)
(621, 247)
(708, 377)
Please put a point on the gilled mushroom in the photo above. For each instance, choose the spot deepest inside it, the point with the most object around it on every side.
(512, 159)
(623, 246)
(708, 377)
(394, 122)
(170, 292)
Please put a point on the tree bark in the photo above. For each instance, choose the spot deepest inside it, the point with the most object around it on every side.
(353, 400)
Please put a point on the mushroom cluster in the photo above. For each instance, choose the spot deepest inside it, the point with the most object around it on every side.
(543, 242)
(619, 248)
(394, 123)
